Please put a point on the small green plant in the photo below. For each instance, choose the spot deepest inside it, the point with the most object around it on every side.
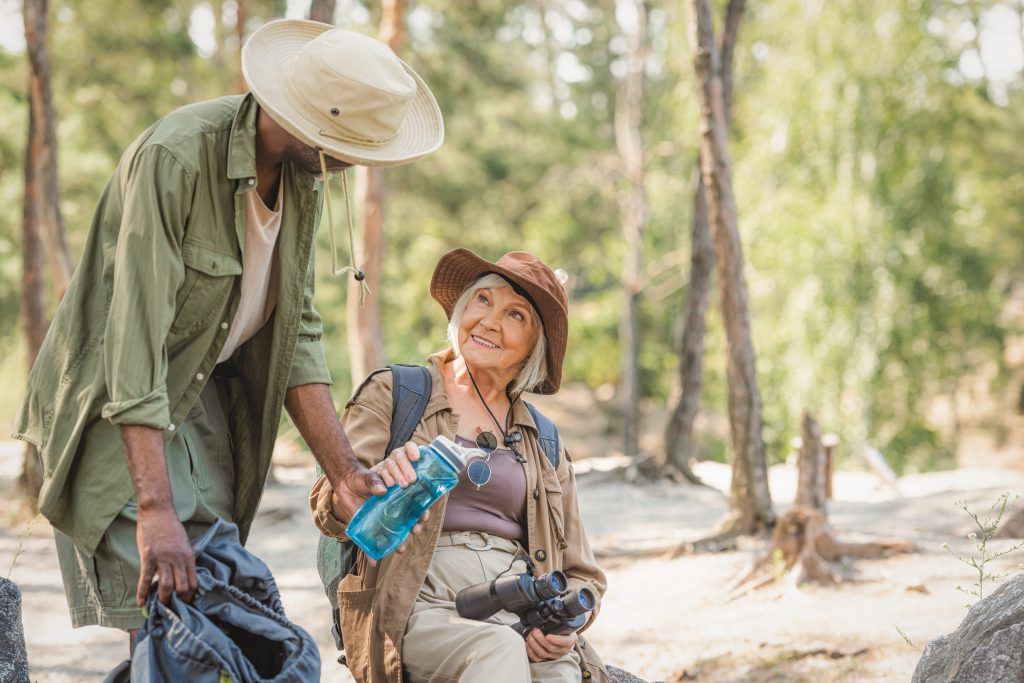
(22, 538)
(979, 562)
(986, 530)
(906, 638)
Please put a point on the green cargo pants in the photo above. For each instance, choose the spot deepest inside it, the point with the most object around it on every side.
(101, 589)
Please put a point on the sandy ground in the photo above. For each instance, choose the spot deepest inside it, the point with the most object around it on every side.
(662, 619)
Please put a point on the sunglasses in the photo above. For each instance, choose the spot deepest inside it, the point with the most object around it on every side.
(479, 471)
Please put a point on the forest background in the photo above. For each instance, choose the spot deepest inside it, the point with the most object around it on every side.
(877, 166)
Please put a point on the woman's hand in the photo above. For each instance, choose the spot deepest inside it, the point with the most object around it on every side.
(397, 467)
(543, 647)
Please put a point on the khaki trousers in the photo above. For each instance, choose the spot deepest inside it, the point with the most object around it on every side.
(440, 646)
(100, 589)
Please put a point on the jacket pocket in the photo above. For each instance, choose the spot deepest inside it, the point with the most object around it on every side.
(209, 277)
(553, 494)
(355, 610)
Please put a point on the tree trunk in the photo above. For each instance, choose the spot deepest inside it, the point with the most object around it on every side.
(40, 168)
(62, 266)
(365, 336)
(322, 11)
(633, 215)
(241, 17)
(750, 501)
(680, 444)
(810, 490)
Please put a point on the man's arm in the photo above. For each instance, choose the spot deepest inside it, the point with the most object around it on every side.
(157, 196)
(312, 410)
(163, 544)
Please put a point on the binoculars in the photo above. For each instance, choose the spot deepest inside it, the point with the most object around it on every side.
(542, 602)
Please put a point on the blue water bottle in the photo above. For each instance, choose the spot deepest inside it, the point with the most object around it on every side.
(383, 522)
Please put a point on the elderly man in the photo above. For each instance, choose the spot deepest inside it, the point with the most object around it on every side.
(156, 397)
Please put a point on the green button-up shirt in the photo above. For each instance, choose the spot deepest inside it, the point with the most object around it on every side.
(139, 330)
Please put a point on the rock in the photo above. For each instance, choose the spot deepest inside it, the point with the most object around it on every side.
(13, 658)
(987, 646)
(620, 676)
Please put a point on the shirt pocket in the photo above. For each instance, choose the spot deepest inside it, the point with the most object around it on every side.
(209, 277)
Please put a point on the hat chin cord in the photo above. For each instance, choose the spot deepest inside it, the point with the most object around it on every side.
(358, 275)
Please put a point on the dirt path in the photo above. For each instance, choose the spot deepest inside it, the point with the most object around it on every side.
(663, 619)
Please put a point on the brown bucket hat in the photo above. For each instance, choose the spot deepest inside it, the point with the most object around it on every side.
(460, 268)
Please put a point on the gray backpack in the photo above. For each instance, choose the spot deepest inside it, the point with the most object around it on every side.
(410, 391)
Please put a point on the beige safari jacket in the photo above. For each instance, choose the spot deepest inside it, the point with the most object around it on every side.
(138, 333)
(375, 602)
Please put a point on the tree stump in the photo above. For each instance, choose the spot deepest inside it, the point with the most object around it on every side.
(803, 547)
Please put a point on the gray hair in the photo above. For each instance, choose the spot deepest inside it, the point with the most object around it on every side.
(535, 369)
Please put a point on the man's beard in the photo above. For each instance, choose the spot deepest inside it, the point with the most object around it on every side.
(308, 159)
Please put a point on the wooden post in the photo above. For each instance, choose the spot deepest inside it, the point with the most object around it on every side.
(829, 442)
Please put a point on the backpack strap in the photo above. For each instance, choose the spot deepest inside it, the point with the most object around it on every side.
(547, 434)
(410, 392)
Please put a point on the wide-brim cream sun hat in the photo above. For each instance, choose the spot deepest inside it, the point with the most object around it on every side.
(342, 92)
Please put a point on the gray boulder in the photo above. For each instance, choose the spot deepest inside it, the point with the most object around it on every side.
(13, 658)
(987, 646)
(621, 676)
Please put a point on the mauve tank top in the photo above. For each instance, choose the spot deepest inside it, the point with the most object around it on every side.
(498, 507)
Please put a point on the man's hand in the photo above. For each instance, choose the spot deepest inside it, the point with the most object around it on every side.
(544, 647)
(354, 487)
(163, 544)
(165, 551)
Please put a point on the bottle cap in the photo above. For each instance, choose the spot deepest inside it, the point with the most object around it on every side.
(457, 455)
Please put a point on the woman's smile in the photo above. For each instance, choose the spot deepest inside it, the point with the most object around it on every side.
(483, 343)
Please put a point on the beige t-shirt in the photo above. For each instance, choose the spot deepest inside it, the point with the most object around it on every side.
(259, 271)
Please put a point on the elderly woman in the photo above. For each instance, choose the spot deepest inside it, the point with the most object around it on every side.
(507, 329)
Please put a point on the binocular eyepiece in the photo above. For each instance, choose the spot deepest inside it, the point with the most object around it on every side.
(542, 602)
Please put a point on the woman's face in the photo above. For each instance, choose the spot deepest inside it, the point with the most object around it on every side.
(498, 330)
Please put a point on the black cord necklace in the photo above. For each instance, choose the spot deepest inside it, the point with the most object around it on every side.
(486, 441)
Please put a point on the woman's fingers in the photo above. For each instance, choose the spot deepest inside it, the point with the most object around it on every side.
(534, 649)
(398, 465)
(547, 646)
(386, 475)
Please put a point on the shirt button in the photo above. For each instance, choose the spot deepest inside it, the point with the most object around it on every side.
(223, 326)
(200, 376)
(536, 494)
(586, 674)
(252, 181)
(170, 428)
(541, 555)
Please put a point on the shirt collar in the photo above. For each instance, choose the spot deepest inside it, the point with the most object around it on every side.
(242, 142)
